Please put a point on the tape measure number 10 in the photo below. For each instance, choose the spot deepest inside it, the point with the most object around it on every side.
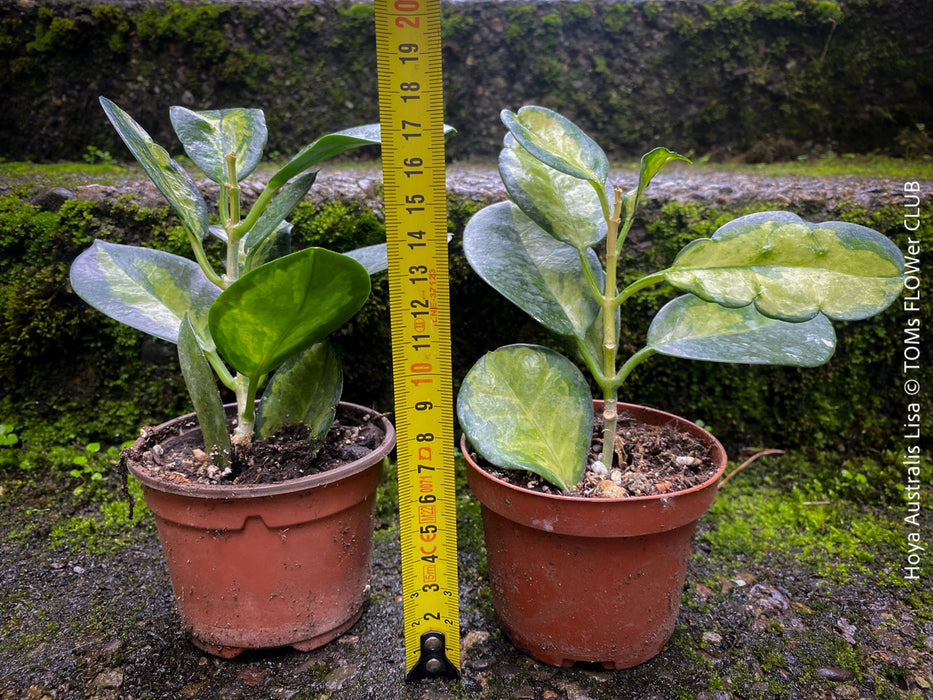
(408, 46)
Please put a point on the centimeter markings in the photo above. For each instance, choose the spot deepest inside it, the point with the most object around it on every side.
(408, 48)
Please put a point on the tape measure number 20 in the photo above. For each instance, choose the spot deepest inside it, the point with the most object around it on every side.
(408, 46)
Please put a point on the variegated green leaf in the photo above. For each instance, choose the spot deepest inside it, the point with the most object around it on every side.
(791, 269)
(527, 407)
(333, 145)
(276, 245)
(279, 208)
(202, 387)
(563, 205)
(558, 142)
(284, 306)
(373, 257)
(327, 147)
(305, 389)
(539, 274)
(691, 328)
(167, 175)
(209, 136)
(149, 290)
(651, 164)
(218, 231)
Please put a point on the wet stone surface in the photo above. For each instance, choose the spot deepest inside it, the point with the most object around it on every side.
(98, 622)
(816, 196)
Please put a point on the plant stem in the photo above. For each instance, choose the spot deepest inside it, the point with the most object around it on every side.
(259, 206)
(638, 285)
(610, 332)
(232, 218)
(629, 204)
(205, 264)
(244, 386)
(588, 273)
(245, 405)
(593, 361)
(603, 200)
(221, 369)
(630, 364)
(224, 204)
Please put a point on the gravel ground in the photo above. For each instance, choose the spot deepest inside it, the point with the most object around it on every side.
(91, 616)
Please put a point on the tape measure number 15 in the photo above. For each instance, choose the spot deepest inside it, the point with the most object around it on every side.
(408, 46)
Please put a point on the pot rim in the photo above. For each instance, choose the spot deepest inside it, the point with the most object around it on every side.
(244, 491)
(561, 498)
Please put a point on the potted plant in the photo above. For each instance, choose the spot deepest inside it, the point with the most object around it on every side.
(264, 507)
(587, 557)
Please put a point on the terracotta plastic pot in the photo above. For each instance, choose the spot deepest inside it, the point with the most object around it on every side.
(269, 565)
(591, 579)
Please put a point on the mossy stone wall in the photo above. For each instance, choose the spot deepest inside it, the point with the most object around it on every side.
(768, 79)
(69, 373)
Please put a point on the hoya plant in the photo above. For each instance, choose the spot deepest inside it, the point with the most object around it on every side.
(764, 289)
(269, 310)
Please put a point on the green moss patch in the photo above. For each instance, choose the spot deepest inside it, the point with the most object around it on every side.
(767, 81)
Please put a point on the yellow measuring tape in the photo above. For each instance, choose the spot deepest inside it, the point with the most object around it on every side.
(408, 46)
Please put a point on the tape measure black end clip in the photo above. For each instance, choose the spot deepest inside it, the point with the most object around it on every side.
(433, 662)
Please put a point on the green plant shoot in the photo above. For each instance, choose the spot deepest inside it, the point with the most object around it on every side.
(268, 309)
(763, 289)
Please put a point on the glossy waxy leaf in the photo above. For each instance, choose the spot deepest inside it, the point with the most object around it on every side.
(327, 147)
(149, 290)
(694, 329)
(374, 258)
(528, 407)
(651, 164)
(202, 387)
(563, 205)
(539, 274)
(279, 208)
(791, 269)
(305, 389)
(167, 175)
(333, 145)
(276, 245)
(558, 142)
(218, 232)
(284, 306)
(209, 136)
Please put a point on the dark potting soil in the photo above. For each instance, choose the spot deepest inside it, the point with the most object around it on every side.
(285, 456)
(649, 460)
(290, 454)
